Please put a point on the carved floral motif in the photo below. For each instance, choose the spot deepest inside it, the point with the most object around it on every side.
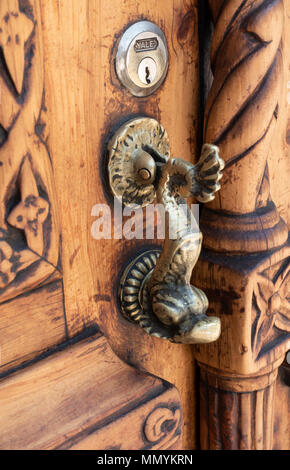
(28, 228)
(271, 304)
(13, 262)
(7, 264)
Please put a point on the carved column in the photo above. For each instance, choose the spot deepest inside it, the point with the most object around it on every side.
(244, 267)
(241, 115)
(236, 412)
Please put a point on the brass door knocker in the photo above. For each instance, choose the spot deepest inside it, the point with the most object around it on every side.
(155, 290)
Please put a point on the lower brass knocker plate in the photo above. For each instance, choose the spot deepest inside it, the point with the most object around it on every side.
(131, 293)
(136, 304)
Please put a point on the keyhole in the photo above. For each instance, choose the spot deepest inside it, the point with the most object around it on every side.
(147, 71)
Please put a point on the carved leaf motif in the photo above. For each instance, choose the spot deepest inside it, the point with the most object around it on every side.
(282, 286)
(12, 262)
(271, 304)
(15, 29)
(7, 273)
(30, 214)
(263, 291)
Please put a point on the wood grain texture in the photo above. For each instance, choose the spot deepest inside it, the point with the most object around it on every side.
(279, 161)
(282, 409)
(158, 431)
(85, 397)
(245, 50)
(29, 234)
(85, 103)
(241, 117)
(30, 325)
(29, 231)
(236, 412)
(244, 268)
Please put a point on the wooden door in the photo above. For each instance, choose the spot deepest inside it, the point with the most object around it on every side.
(74, 373)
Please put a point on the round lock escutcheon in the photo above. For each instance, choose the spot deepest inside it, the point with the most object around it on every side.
(142, 58)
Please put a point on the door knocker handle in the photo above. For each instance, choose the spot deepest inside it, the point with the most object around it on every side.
(155, 290)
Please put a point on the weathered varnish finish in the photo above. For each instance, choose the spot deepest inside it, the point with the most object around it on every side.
(85, 104)
(60, 103)
(245, 264)
(28, 224)
(29, 228)
(66, 402)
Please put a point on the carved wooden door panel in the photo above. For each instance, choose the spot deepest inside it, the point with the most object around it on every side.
(61, 385)
(60, 100)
